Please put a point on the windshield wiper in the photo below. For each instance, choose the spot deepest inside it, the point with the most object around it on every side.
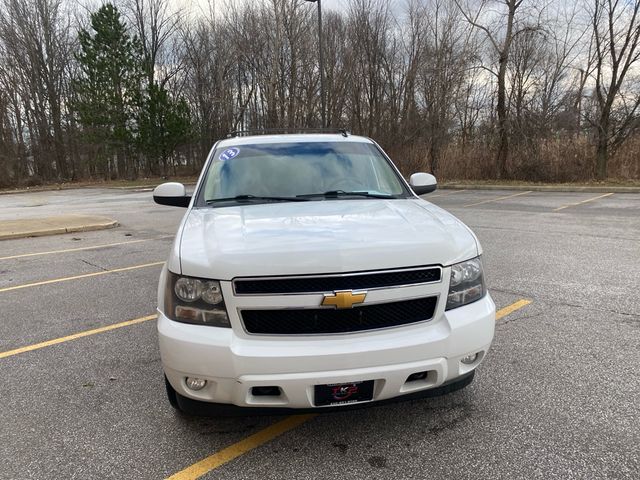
(342, 193)
(251, 198)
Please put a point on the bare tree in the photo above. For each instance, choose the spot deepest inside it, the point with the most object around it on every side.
(616, 36)
(155, 26)
(444, 70)
(500, 39)
(37, 49)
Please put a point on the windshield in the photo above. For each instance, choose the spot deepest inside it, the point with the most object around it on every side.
(283, 171)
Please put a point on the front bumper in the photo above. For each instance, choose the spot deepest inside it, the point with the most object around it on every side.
(234, 364)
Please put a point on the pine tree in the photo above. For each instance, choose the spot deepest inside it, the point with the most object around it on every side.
(108, 90)
(164, 126)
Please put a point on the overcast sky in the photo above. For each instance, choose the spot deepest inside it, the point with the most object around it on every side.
(334, 4)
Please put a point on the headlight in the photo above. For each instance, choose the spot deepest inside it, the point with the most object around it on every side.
(194, 300)
(466, 284)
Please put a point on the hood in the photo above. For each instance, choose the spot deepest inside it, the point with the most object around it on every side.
(331, 236)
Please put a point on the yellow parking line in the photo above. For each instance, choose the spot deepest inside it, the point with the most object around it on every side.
(582, 202)
(76, 277)
(75, 336)
(442, 194)
(497, 199)
(503, 312)
(79, 249)
(243, 446)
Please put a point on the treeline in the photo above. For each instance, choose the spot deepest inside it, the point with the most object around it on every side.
(467, 89)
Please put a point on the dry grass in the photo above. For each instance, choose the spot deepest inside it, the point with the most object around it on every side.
(557, 160)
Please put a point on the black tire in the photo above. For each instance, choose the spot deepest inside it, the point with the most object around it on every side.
(172, 396)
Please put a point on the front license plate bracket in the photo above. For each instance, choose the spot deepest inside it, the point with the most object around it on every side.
(343, 393)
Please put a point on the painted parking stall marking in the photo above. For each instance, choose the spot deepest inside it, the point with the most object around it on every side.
(243, 446)
(491, 200)
(75, 336)
(503, 312)
(78, 277)
(582, 202)
(446, 194)
(80, 249)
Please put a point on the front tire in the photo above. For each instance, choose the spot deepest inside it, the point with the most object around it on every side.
(172, 396)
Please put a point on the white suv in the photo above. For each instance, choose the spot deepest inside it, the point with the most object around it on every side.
(308, 274)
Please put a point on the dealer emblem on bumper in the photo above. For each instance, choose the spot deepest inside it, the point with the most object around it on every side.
(343, 299)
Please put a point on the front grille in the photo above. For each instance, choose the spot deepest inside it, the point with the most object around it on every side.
(323, 320)
(356, 281)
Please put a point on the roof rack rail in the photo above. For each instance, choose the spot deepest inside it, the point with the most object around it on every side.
(270, 131)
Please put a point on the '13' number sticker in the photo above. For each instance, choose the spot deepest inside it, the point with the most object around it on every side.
(229, 153)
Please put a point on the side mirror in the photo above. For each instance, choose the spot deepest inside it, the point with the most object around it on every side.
(422, 183)
(172, 194)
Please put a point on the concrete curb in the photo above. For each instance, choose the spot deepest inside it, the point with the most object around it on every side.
(40, 227)
(543, 188)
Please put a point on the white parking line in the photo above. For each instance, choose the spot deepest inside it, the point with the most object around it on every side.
(80, 249)
(77, 277)
(497, 199)
(582, 202)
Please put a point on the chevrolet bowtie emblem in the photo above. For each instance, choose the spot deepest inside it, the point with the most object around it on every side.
(343, 299)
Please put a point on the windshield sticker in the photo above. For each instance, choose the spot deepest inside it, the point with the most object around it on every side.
(228, 154)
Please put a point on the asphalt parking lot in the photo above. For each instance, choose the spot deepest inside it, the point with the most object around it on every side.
(557, 396)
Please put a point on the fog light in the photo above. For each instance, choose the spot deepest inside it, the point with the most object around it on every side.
(195, 383)
(469, 359)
